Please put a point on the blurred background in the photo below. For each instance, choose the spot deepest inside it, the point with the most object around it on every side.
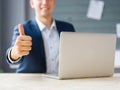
(13, 12)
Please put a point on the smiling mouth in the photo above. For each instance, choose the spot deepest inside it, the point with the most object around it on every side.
(46, 8)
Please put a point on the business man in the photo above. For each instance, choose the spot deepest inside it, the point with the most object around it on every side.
(35, 44)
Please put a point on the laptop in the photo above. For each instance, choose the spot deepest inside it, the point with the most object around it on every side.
(85, 55)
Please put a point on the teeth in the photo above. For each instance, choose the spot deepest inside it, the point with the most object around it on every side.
(44, 8)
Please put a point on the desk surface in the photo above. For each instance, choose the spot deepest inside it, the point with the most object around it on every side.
(38, 82)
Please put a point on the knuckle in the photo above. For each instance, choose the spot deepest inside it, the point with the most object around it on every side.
(30, 38)
(29, 44)
(27, 53)
(30, 48)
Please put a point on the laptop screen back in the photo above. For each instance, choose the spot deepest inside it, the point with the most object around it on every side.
(86, 55)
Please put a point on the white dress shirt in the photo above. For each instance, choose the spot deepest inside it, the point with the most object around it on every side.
(51, 44)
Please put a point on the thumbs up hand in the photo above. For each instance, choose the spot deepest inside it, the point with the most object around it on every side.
(22, 45)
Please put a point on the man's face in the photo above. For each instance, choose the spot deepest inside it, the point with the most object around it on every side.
(43, 8)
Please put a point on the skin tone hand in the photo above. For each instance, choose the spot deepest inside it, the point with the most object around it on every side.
(22, 45)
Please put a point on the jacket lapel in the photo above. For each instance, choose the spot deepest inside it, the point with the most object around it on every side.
(59, 28)
(37, 38)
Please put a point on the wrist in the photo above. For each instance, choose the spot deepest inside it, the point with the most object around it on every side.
(13, 56)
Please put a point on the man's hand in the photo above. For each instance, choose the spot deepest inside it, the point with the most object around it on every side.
(22, 45)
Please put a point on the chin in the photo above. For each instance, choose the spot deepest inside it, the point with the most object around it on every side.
(45, 15)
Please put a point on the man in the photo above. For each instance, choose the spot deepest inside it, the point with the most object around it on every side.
(35, 44)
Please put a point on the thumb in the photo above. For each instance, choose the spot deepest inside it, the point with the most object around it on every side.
(21, 29)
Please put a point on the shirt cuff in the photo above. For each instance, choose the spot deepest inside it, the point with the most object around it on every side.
(11, 61)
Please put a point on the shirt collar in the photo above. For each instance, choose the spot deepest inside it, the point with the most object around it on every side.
(43, 26)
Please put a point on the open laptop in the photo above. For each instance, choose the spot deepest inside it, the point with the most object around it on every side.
(85, 55)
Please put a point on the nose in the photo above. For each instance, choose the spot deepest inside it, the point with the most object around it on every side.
(44, 1)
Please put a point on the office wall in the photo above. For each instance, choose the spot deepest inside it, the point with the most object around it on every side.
(74, 11)
(12, 14)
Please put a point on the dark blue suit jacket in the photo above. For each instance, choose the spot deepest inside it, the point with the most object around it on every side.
(35, 62)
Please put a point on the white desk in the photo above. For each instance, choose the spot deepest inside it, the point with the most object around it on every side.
(38, 82)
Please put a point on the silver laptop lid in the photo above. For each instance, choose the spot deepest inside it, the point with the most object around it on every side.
(86, 55)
